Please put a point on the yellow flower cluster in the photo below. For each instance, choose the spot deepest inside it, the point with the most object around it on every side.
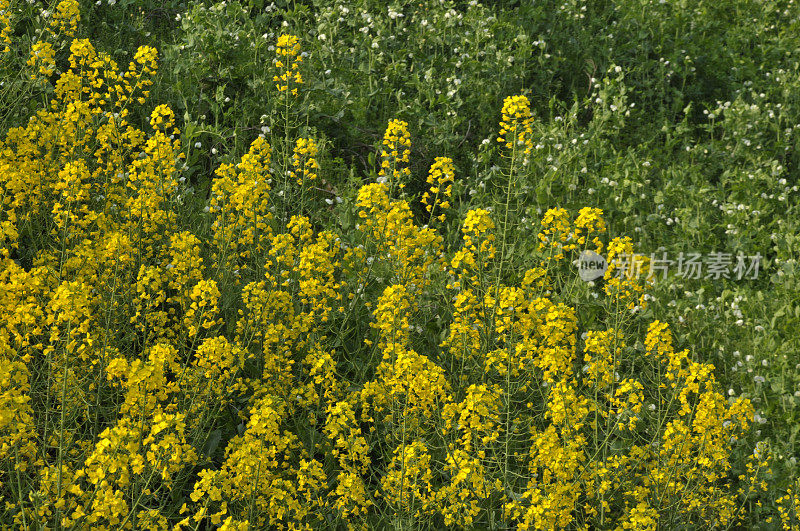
(254, 487)
(71, 210)
(627, 286)
(602, 354)
(409, 251)
(5, 25)
(240, 205)
(163, 119)
(66, 17)
(476, 419)
(478, 243)
(556, 234)
(43, 58)
(304, 161)
(17, 435)
(395, 155)
(682, 467)
(214, 375)
(559, 235)
(407, 390)
(589, 222)
(152, 185)
(391, 316)
(351, 499)
(552, 494)
(459, 500)
(288, 64)
(406, 486)
(440, 179)
(141, 70)
(287, 304)
(789, 507)
(465, 336)
(408, 387)
(516, 129)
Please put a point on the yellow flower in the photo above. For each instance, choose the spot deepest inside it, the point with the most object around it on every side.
(288, 64)
(42, 57)
(556, 235)
(440, 179)
(478, 242)
(589, 221)
(627, 274)
(515, 127)
(407, 485)
(66, 17)
(5, 25)
(395, 154)
(304, 161)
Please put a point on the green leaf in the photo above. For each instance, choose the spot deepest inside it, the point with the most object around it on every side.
(212, 443)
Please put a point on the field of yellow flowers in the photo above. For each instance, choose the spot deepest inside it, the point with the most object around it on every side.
(279, 326)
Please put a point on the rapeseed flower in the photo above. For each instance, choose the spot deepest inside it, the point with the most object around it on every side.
(287, 62)
(516, 126)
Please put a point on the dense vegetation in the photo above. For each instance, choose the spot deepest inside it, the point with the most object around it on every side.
(317, 264)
